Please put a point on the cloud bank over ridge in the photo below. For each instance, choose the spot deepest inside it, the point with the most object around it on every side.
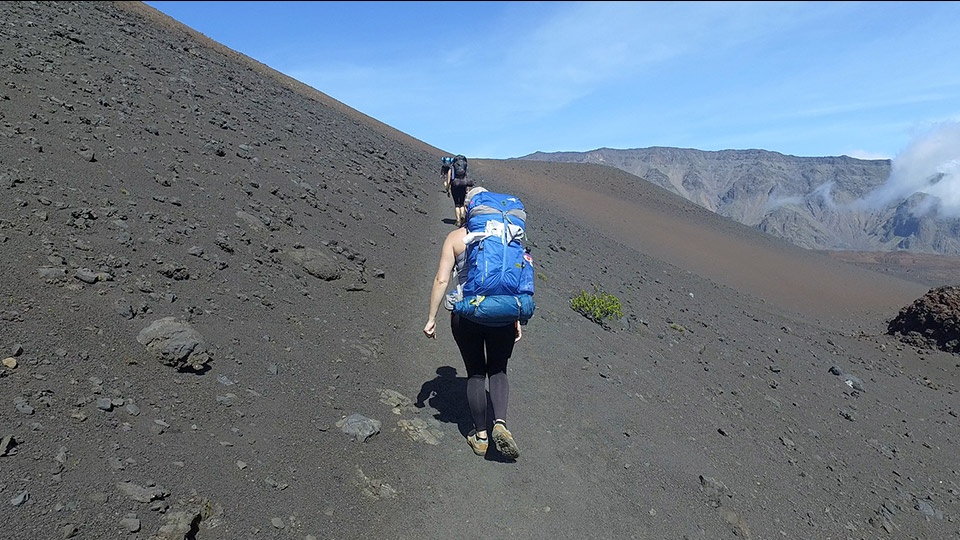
(929, 165)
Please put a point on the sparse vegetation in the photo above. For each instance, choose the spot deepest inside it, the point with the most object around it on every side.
(598, 307)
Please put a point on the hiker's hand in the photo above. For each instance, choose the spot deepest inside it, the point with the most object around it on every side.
(430, 329)
(519, 332)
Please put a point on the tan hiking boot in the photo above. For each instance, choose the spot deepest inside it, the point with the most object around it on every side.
(479, 445)
(504, 440)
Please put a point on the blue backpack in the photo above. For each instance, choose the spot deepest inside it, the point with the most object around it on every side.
(498, 289)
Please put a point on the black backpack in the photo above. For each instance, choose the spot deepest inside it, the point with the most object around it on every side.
(460, 171)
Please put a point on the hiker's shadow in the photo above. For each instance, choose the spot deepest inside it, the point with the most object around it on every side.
(447, 394)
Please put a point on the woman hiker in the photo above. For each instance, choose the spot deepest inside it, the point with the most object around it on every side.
(485, 351)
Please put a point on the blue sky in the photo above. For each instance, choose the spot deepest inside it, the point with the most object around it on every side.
(505, 79)
(497, 80)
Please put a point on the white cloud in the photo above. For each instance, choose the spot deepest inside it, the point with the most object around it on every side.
(930, 165)
(822, 193)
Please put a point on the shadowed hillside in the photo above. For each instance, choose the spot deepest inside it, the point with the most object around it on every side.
(214, 285)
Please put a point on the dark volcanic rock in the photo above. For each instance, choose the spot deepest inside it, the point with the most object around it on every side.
(932, 321)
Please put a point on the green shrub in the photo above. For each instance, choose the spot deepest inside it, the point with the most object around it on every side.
(597, 307)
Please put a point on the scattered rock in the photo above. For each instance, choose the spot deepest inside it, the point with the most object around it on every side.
(130, 523)
(8, 446)
(175, 343)
(178, 525)
(397, 401)
(420, 430)
(374, 488)
(714, 490)
(22, 406)
(252, 221)
(88, 276)
(20, 498)
(359, 427)
(124, 308)
(49, 272)
(318, 263)
(850, 380)
(140, 493)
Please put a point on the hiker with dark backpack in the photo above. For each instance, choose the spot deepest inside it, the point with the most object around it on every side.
(459, 184)
(446, 172)
(493, 299)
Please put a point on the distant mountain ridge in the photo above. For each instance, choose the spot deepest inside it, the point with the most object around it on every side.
(808, 201)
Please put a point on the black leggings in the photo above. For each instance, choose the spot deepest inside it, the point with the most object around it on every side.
(473, 339)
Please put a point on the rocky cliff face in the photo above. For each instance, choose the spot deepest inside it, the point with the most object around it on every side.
(813, 202)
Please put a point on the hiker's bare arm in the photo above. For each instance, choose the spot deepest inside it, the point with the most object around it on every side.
(519, 333)
(448, 256)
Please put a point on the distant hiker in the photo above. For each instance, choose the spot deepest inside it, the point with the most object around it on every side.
(446, 172)
(486, 322)
(459, 183)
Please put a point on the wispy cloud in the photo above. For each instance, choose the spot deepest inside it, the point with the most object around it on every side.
(930, 165)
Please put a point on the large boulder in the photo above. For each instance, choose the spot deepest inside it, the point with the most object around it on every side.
(932, 321)
(175, 343)
(319, 263)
